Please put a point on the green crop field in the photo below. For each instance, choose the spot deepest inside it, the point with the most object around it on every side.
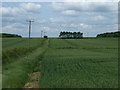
(62, 63)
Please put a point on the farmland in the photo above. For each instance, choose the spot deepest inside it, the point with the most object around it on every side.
(62, 63)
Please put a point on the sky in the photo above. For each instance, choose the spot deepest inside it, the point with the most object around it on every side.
(90, 18)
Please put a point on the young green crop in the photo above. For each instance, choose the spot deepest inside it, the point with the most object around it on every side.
(62, 63)
(19, 62)
(89, 63)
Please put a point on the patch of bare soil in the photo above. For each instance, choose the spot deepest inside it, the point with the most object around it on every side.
(34, 80)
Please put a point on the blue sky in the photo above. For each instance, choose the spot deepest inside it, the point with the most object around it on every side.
(90, 18)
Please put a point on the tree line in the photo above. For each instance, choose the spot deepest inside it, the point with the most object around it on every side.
(5, 35)
(76, 35)
(111, 34)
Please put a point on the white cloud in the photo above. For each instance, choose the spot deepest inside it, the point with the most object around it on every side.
(99, 17)
(50, 29)
(41, 21)
(70, 12)
(74, 25)
(85, 26)
(64, 7)
(22, 9)
(91, 0)
(11, 11)
(56, 20)
(5, 10)
(30, 6)
(58, 6)
(46, 29)
(14, 27)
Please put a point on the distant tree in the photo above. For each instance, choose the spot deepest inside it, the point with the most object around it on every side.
(111, 34)
(71, 35)
(5, 35)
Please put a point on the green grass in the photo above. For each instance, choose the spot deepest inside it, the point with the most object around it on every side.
(15, 74)
(63, 63)
(11, 43)
(0, 63)
(81, 63)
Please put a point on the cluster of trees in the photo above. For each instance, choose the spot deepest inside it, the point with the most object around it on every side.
(5, 35)
(71, 35)
(111, 34)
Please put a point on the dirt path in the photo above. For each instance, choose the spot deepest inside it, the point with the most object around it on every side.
(34, 80)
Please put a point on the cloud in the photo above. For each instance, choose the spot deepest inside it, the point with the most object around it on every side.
(85, 26)
(91, 0)
(30, 6)
(17, 28)
(58, 6)
(22, 9)
(74, 25)
(12, 15)
(46, 29)
(70, 8)
(13, 25)
(5, 11)
(70, 12)
(8, 11)
(99, 17)
(57, 20)
(41, 21)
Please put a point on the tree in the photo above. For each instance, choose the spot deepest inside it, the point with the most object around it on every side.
(71, 35)
(5, 35)
(110, 34)
(46, 37)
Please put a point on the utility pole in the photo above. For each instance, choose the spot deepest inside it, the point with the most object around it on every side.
(41, 33)
(44, 33)
(30, 22)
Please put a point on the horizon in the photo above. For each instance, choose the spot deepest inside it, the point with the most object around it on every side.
(53, 36)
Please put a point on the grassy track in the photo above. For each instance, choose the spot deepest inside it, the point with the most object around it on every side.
(63, 63)
(19, 69)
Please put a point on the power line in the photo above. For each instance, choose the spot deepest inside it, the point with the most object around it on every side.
(30, 22)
